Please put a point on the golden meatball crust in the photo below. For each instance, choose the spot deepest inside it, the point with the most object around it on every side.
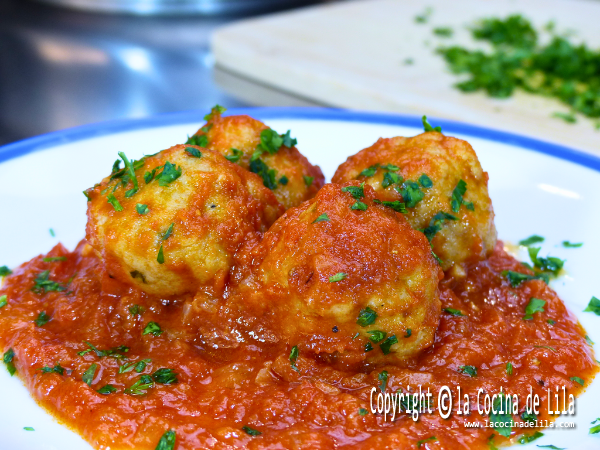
(192, 211)
(341, 274)
(291, 177)
(461, 230)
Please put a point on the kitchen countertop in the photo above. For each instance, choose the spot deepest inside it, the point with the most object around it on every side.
(61, 68)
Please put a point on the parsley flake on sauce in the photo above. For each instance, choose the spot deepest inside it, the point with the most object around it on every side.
(116, 352)
(387, 344)
(516, 278)
(435, 224)
(88, 375)
(5, 271)
(167, 234)
(423, 441)
(169, 174)
(427, 126)
(359, 206)
(370, 171)
(366, 317)
(197, 139)
(501, 419)
(527, 439)
(42, 319)
(577, 380)
(251, 431)
(294, 353)
(160, 257)
(593, 306)
(322, 218)
(390, 178)
(390, 167)
(268, 176)
(168, 440)
(534, 239)
(468, 370)
(165, 376)
(153, 328)
(108, 389)
(383, 378)
(362, 412)
(141, 386)
(236, 155)
(550, 264)
(534, 305)
(411, 193)
(3, 301)
(142, 209)
(138, 366)
(136, 310)
(308, 180)
(194, 152)
(408, 333)
(425, 181)
(337, 277)
(357, 192)
(129, 168)
(58, 369)
(215, 110)
(396, 205)
(110, 198)
(509, 368)
(528, 417)
(453, 312)
(271, 142)
(377, 336)
(458, 197)
(368, 347)
(567, 244)
(54, 259)
(43, 284)
(8, 359)
(284, 180)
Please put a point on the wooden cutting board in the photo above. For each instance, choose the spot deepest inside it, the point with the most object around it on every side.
(353, 55)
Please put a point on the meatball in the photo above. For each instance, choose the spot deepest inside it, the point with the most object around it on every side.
(444, 189)
(343, 277)
(256, 147)
(176, 225)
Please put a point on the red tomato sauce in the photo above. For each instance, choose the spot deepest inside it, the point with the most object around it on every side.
(220, 391)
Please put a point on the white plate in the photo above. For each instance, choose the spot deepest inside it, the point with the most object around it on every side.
(536, 188)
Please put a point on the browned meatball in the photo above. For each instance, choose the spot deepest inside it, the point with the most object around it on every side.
(340, 275)
(179, 226)
(256, 147)
(443, 186)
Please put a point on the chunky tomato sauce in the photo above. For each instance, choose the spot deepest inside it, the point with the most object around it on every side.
(219, 392)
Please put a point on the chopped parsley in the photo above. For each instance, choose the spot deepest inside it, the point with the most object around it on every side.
(366, 317)
(589, 340)
(568, 244)
(516, 278)
(197, 139)
(29, 428)
(337, 277)
(527, 439)
(362, 412)
(152, 328)
(167, 234)
(141, 386)
(528, 417)
(136, 310)
(194, 151)
(4, 271)
(509, 368)
(458, 197)
(391, 167)
(251, 431)
(169, 174)
(42, 319)
(596, 429)
(160, 257)
(387, 344)
(235, 157)
(138, 366)
(501, 420)
(567, 117)
(357, 192)
(54, 259)
(308, 180)
(390, 178)
(370, 171)
(88, 375)
(3, 301)
(425, 181)
(552, 447)
(551, 322)
(322, 218)
(435, 224)
(468, 370)
(453, 312)
(411, 193)
(424, 17)
(110, 198)
(142, 209)
(216, 110)
(58, 369)
(9, 356)
(165, 376)
(106, 390)
(360, 206)
(377, 336)
(383, 378)
(167, 441)
(577, 380)
(52, 233)
(43, 284)
(115, 352)
(534, 305)
(284, 180)
(395, 205)
(534, 239)
(294, 353)
(130, 170)
(444, 32)
(259, 167)
(427, 126)
(550, 264)
(368, 347)
(271, 142)
(408, 333)
(423, 441)
(593, 306)
(547, 347)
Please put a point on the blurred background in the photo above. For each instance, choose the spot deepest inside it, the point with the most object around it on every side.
(65, 63)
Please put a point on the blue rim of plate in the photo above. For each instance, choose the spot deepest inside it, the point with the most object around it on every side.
(37, 143)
